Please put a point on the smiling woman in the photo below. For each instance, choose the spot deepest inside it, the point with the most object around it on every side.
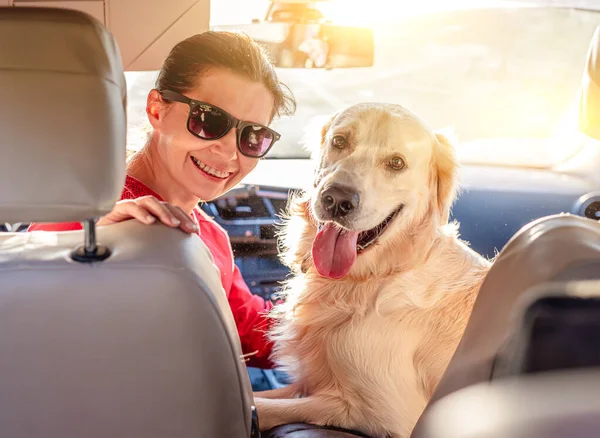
(209, 113)
(182, 164)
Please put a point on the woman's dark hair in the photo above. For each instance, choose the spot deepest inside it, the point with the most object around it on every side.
(196, 55)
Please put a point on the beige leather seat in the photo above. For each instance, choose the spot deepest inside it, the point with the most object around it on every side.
(548, 405)
(139, 342)
(559, 249)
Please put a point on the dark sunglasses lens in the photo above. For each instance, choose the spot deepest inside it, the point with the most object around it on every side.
(255, 140)
(208, 122)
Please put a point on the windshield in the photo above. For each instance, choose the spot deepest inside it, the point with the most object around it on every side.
(505, 80)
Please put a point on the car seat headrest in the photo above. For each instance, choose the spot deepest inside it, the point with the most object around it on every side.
(589, 105)
(62, 116)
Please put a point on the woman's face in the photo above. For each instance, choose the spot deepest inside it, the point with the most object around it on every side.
(208, 168)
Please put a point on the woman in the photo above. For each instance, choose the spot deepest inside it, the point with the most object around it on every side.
(215, 95)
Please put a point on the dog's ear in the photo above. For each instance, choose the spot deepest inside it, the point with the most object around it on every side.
(325, 128)
(446, 175)
(315, 132)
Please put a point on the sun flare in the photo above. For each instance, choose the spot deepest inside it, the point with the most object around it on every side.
(373, 12)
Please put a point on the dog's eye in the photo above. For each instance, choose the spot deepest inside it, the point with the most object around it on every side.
(397, 163)
(338, 141)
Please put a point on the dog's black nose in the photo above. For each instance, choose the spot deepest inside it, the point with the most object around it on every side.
(339, 201)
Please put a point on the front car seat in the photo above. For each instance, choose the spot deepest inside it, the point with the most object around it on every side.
(123, 331)
(559, 250)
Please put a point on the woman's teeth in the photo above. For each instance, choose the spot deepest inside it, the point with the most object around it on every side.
(214, 172)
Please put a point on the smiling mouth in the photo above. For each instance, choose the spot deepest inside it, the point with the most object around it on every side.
(369, 237)
(205, 168)
(335, 249)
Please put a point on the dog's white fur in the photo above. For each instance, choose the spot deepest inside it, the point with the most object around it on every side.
(367, 351)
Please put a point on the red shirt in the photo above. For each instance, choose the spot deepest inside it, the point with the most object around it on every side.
(249, 310)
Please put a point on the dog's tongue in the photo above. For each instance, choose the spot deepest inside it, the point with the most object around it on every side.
(334, 251)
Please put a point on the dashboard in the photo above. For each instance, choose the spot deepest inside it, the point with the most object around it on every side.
(250, 215)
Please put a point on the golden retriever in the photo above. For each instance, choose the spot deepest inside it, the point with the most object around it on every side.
(382, 287)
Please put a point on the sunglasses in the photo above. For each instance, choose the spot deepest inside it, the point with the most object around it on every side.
(210, 122)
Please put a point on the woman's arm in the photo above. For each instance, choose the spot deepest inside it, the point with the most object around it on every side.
(250, 314)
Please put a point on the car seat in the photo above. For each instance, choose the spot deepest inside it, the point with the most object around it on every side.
(556, 251)
(120, 331)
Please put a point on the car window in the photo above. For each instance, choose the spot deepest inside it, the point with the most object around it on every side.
(503, 79)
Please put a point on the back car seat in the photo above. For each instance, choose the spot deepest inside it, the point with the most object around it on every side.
(126, 332)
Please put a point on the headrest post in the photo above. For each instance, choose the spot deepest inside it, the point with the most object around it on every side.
(90, 251)
(90, 236)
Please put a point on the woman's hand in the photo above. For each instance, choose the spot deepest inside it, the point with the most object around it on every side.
(146, 210)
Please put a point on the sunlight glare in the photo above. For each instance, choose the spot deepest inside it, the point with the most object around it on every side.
(374, 12)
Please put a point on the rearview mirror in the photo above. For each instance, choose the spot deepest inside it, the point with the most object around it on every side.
(324, 46)
(313, 45)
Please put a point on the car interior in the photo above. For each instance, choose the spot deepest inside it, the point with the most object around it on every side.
(124, 331)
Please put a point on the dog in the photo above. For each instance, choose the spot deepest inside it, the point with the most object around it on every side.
(381, 286)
